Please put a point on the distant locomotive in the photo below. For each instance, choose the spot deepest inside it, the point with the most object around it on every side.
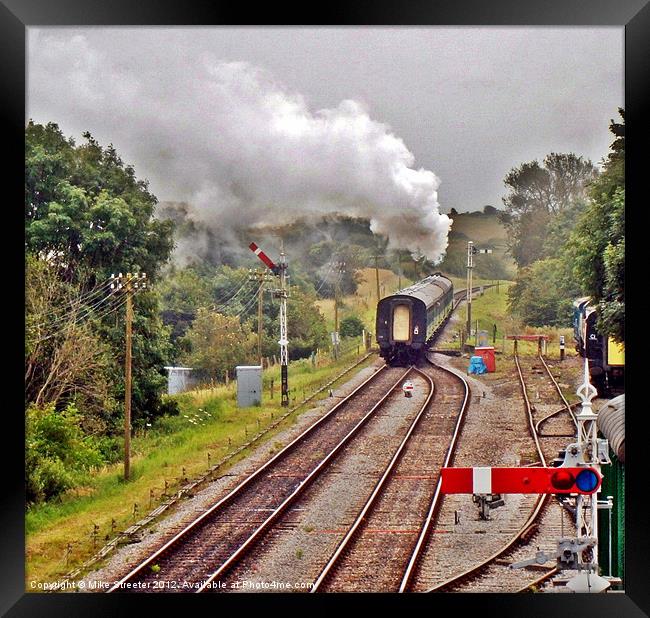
(408, 319)
(606, 357)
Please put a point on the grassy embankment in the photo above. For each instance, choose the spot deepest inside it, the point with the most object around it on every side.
(174, 449)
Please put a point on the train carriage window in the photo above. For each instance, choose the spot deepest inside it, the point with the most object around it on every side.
(401, 323)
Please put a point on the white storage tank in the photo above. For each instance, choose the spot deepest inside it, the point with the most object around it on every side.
(249, 385)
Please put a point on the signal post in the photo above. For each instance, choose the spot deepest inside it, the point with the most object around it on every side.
(471, 252)
(279, 270)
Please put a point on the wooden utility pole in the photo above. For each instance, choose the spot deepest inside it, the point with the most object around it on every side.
(337, 296)
(261, 278)
(129, 284)
(127, 381)
(377, 275)
(399, 270)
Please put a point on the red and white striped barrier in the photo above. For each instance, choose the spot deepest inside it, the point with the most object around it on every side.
(488, 480)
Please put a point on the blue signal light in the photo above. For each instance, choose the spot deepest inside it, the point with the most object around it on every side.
(587, 480)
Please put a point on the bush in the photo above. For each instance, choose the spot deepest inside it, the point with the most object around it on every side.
(57, 455)
(46, 477)
(351, 327)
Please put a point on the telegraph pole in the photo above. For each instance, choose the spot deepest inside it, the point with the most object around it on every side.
(377, 275)
(337, 295)
(127, 382)
(130, 283)
(261, 278)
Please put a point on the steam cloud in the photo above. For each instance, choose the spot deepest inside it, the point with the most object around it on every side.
(242, 150)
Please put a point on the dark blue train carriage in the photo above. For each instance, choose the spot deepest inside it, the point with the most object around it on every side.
(606, 357)
(408, 319)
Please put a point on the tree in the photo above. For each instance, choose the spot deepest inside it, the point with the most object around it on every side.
(218, 343)
(86, 211)
(538, 193)
(597, 246)
(490, 210)
(65, 360)
(306, 325)
(182, 292)
(543, 293)
(88, 216)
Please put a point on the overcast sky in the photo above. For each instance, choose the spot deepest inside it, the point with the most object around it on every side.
(468, 103)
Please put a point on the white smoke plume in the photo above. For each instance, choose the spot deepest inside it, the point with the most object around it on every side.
(241, 149)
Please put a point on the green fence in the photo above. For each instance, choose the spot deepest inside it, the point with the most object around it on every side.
(613, 485)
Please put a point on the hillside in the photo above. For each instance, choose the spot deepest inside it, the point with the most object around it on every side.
(478, 227)
(487, 232)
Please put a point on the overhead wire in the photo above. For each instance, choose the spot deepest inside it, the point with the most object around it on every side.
(240, 281)
(83, 312)
(75, 303)
(230, 300)
(327, 274)
(251, 301)
(113, 306)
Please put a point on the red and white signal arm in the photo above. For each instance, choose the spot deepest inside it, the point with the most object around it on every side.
(479, 480)
(265, 258)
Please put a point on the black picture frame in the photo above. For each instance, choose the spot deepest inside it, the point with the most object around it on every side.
(634, 15)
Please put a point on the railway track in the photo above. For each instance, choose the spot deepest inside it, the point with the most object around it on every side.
(323, 514)
(461, 295)
(546, 516)
(214, 542)
(381, 547)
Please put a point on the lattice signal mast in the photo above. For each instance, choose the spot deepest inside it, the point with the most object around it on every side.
(280, 270)
(589, 450)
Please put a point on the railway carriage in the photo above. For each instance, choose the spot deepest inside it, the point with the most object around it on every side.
(606, 357)
(408, 319)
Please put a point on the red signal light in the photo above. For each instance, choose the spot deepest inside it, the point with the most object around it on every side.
(562, 479)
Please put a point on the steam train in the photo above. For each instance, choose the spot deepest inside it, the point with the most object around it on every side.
(408, 319)
(606, 357)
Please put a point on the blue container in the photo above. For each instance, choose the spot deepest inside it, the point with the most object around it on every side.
(476, 365)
